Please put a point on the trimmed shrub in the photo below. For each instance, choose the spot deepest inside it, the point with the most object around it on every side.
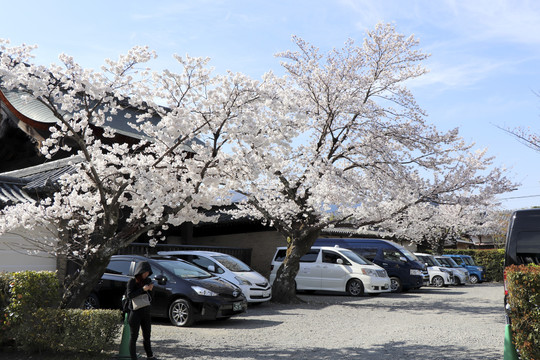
(5, 280)
(523, 283)
(71, 330)
(31, 319)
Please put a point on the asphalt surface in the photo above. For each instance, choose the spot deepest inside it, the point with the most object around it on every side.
(459, 323)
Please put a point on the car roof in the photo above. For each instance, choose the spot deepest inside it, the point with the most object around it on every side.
(188, 252)
(319, 247)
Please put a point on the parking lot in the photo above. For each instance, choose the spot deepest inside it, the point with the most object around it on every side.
(460, 323)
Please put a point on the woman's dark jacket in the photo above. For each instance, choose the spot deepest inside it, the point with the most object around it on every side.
(135, 289)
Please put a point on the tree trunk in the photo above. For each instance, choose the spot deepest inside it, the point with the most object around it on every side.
(82, 283)
(284, 287)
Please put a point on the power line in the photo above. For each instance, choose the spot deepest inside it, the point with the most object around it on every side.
(520, 197)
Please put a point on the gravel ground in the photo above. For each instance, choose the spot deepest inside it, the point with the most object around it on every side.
(459, 323)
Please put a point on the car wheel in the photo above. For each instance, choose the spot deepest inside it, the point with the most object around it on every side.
(181, 313)
(438, 281)
(355, 287)
(395, 285)
(474, 279)
(91, 302)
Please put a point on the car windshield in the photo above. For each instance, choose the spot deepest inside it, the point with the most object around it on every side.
(469, 261)
(184, 270)
(446, 262)
(232, 263)
(359, 259)
(409, 255)
(428, 260)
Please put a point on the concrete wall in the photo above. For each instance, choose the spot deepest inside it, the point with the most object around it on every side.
(263, 243)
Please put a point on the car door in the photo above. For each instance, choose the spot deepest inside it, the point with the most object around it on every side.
(309, 274)
(112, 285)
(333, 274)
(161, 291)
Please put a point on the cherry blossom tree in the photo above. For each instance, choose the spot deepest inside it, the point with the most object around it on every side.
(357, 148)
(122, 190)
(340, 138)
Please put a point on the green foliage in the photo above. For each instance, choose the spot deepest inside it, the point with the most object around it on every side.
(523, 283)
(5, 280)
(31, 319)
(70, 330)
(491, 260)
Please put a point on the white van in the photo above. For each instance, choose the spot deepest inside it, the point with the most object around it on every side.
(335, 269)
(438, 274)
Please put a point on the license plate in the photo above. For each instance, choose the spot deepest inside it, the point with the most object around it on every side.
(266, 293)
(237, 306)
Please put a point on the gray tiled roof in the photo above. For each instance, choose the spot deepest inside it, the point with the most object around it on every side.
(24, 184)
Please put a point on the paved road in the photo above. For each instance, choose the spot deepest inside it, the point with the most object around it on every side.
(458, 323)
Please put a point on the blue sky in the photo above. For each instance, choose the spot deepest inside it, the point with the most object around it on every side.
(484, 64)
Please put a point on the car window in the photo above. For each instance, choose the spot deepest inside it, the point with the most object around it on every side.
(355, 257)
(232, 263)
(184, 270)
(118, 267)
(331, 257)
(280, 255)
(469, 261)
(458, 260)
(310, 257)
(528, 247)
(368, 253)
(391, 254)
(205, 263)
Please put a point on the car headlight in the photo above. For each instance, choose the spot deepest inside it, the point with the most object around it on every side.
(444, 270)
(242, 281)
(416, 272)
(369, 272)
(203, 291)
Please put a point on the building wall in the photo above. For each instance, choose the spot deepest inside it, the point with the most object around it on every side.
(19, 254)
(263, 243)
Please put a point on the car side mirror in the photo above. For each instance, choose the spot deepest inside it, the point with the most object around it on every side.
(402, 258)
(427, 264)
(212, 268)
(161, 279)
(339, 261)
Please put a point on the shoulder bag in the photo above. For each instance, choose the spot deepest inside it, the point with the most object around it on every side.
(138, 302)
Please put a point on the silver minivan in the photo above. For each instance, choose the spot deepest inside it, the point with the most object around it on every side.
(335, 269)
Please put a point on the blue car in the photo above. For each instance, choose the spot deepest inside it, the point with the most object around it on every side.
(477, 274)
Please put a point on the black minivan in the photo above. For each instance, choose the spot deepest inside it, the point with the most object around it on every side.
(182, 291)
(523, 238)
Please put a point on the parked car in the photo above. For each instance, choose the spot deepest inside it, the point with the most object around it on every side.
(182, 291)
(461, 275)
(403, 268)
(438, 274)
(255, 287)
(335, 269)
(477, 274)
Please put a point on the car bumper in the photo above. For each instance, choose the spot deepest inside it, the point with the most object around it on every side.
(257, 294)
(210, 310)
(377, 285)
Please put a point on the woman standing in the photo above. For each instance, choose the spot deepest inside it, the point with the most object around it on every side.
(139, 317)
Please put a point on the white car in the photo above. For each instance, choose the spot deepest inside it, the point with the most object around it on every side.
(438, 274)
(255, 287)
(461, 275)
(335, 269)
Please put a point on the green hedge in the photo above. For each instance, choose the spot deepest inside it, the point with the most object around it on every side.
(523, 283)
(491, 260)
(30, 318)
